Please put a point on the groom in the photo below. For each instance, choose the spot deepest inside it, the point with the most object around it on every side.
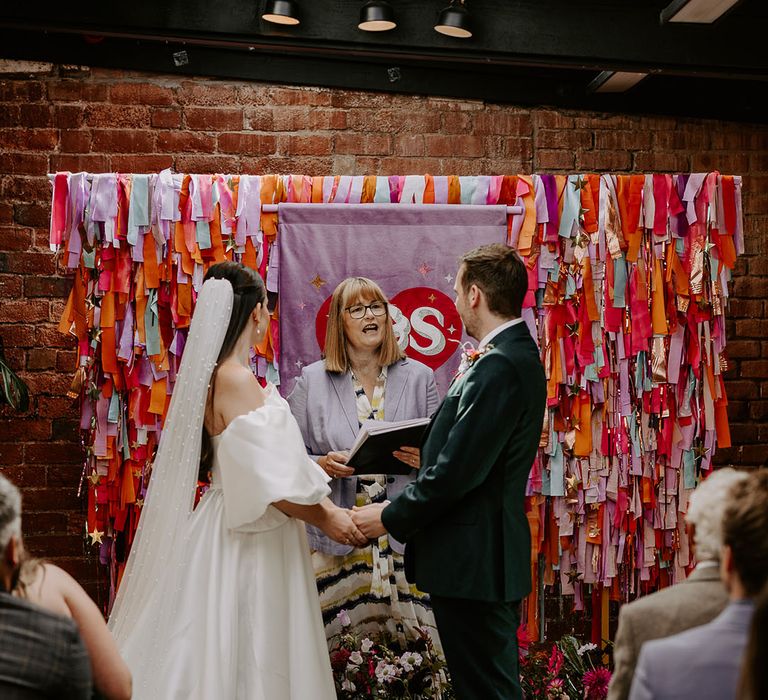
(463, 518)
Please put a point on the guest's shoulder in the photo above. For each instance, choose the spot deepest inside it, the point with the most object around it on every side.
(414, 368)
(654, 603)
(673, 647)
(315, 369)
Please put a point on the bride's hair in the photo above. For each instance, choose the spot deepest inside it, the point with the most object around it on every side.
(248, 288)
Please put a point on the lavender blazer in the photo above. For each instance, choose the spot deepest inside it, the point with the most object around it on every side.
(324, 406)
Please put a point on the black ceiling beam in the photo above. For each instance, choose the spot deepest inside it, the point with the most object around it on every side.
(589, 34)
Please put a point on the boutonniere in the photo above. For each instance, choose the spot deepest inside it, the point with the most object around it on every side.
(469, 356)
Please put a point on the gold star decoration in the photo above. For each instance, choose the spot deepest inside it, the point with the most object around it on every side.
(572, 482)
(94, 478)
(96, 536)
(573, 575)
(230, 243)
(579, 184)
(700, 451)
(318, 282)
(432, 298)
(573, 328)
(139, 502)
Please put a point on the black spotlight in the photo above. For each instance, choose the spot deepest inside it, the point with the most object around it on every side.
(454, 20)
(377, 16)
(281, 12)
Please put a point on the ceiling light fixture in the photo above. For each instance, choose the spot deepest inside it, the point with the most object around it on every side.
(454, 20)
(281, 12)
(696, 11)
(377, 16)
(615, 81)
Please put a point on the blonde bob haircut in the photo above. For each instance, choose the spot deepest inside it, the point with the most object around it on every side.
(349, 292)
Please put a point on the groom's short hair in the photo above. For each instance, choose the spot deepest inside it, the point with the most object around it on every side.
(500, 273)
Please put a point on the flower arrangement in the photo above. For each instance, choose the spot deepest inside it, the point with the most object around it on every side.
(469, 356)
(381, 666)
(570, 671)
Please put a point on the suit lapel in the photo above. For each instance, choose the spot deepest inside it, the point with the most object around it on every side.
(397, 378)
(342, 384)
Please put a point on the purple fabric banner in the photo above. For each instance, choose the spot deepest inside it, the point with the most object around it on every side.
(411, 251)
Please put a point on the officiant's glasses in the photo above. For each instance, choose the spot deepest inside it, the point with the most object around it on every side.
(378, 308)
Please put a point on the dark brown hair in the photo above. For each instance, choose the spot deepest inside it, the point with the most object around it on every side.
(500, 273)
(745, 525)
(248, 290)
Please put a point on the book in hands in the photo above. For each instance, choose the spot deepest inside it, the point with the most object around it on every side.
(378, 439)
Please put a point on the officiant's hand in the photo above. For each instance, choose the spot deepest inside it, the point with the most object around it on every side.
(368, 519)
(409, 455)
(338, 525)
(335, 464)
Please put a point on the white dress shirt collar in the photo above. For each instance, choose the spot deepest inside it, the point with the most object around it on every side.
(497, 330)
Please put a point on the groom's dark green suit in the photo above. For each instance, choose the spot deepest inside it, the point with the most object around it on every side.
(463, 518)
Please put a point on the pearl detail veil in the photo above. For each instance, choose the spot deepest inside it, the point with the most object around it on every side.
(146, 600)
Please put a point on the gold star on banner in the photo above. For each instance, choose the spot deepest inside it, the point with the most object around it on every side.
(96, 334)
(139, 502)
(231, 245)
(579, 184)
(432, 298)
(95, 536)
(573, 575)
(573, 328)
(94, 478)
(137, 472)
(700, 451)
(318, 282)
(572, 482)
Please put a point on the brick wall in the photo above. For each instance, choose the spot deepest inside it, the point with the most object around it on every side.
(78, 119)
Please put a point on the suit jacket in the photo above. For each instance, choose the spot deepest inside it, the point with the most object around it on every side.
(325, 408)
(41, 654)
(463, 518)
(693, 602)
(700, 663)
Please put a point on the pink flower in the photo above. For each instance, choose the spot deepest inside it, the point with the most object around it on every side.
(596, 683)
(556, 659)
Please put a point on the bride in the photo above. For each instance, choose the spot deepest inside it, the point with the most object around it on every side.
(220, 601)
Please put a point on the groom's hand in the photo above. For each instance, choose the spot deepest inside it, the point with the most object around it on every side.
(368, 519)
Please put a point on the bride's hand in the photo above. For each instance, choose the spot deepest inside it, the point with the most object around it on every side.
(338, 526)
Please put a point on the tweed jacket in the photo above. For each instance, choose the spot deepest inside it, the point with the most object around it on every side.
(324, 406)
(693, 602)
(41, 654)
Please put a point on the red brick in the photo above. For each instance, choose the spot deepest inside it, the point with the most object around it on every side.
(75, 141)
(52, 453)
(25, 163)
(597, 161)
(10, 286)
(185, 141)
(254, 94)
(213, 118)
(653, 162)
(76, 91)
(726, 163)
(19, 336)
(37, 215)
(411, 145)
(258, 118)
(745, 308)
(25, 476)
(93, 163)
(54, 545)
(27, 189)
(204, 164)
(66, 360)
(166, 118)
(15, 239)
(28, 139)
(118, 116)
(739, 349)
(55, 406)
(24, 310)
(210, 94)
(68, 116)
(544, 160)
(544, 119)
(141, 93)
(34, 263)
(680, 139)
(290, 118)
(67, 429)
(43, 523)
(330, 119)
(33, 116)
(315, 97)
(41, 358)
(305, 145)
(11, 453)
(49, 336)
(457, 122)
(25, 429)
(753, 368)
(10, 115)
(741, 389)
(750, 286)
(362, 144)
(614, 140)
(563, 139)
(21, 90)
(246, 144)
(65, 474)
(140, 163)
(122, 141)
(744, 432)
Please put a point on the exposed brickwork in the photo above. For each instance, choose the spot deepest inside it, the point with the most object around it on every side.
(109, 120)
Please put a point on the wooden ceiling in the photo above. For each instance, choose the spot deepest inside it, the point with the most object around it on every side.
(523, 52)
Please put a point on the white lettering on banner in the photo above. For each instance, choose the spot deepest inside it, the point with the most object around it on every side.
(427, 330)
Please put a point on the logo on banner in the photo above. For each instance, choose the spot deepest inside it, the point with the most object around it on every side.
(427, 326)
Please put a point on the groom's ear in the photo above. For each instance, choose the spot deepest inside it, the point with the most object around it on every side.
(475, 295)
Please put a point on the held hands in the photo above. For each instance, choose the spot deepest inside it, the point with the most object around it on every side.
(409, 455)
(338, 525)
(368, 519)
(334, 464)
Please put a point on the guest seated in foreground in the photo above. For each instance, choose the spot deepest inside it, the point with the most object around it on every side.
(45, 608)
(754, 673)
(364, 375)
(704, 662)
(693, 602)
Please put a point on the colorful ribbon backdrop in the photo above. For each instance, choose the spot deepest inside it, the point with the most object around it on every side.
(628, 285)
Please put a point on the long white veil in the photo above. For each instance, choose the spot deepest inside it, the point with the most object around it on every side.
(147, 597)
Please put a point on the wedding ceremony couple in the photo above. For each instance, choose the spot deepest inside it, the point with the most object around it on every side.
(236, 597)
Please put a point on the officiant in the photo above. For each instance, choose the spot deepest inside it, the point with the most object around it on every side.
(364, 375)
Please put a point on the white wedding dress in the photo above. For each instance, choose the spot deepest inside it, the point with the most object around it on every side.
(247, 622)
